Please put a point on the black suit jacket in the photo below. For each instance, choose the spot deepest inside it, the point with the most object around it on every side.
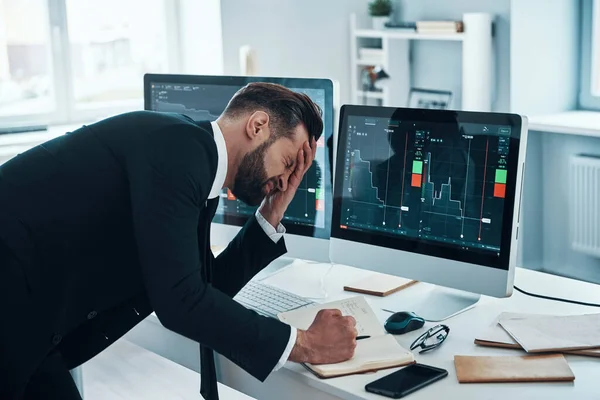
(111, 222)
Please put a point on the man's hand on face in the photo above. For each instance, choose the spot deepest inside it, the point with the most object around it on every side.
(274, 205)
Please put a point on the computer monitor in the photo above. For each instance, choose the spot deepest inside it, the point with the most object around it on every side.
(308, 218)
(433, 196)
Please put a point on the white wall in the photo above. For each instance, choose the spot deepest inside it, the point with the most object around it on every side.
(311, 38)
(545, 75)
(201, 37)
(437, 65)
(306, 38)
(544, 55)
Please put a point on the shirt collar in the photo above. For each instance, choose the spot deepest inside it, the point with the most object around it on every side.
(221, 161)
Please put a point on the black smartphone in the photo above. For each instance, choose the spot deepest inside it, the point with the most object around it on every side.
(405, 381)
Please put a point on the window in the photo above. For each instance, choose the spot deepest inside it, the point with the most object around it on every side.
(110, 51)
(74, 60)
(26, 83)
(589, 93)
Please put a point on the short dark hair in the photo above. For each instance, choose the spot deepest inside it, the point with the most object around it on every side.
(286, 108)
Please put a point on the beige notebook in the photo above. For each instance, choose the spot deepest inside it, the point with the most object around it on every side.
(380, 351)
(496, 336)
(540, 368)
(555, 333)
(377, 284)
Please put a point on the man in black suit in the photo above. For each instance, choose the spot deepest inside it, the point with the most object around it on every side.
(102, 226)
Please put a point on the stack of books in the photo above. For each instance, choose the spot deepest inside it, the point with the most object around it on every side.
(368, 55)
(439, 26)
(402, 26)
(537, 333)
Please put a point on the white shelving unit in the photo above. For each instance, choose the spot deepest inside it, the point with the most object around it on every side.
(395, 59)
(391, 34)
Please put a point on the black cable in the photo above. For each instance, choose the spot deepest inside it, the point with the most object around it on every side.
(581, 303)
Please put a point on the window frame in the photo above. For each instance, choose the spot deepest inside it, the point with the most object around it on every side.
(66, 110)
(589, 91)
(595, 50)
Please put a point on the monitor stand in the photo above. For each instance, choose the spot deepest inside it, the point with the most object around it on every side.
(274, 267)
(437, 304)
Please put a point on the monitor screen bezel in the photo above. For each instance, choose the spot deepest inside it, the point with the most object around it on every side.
(419, 246)
(239, 81)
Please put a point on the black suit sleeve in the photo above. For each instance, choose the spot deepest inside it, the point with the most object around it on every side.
(249, 252)
(170, 179)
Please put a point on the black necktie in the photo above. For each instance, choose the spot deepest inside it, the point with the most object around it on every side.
(208, 374)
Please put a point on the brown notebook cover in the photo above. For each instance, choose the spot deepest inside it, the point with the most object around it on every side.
(358, 372)
(378, 284)
(544, 368)
(372, 354)
(586, 353)
(503, 345)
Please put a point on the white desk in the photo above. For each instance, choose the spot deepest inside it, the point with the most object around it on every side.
(127, 371)
(297, 383)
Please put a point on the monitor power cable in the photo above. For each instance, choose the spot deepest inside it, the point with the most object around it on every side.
(540, 296)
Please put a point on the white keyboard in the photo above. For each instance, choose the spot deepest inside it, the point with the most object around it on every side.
(269, 300)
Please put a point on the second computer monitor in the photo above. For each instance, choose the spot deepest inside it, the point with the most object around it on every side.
(308, 218)
(430, 195)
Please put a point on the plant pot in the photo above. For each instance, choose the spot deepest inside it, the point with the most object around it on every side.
(379, 22)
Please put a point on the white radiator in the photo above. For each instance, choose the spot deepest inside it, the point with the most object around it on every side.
(584, 204)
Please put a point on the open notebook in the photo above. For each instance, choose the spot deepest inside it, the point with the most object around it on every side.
(380, 351)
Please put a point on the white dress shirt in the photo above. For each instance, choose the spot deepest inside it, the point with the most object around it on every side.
(274, 234)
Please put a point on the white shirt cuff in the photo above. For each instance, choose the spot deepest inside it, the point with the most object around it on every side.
(288, 349)
(274, 234)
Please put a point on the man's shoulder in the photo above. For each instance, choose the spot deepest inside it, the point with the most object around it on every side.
(145, 120)
(180, 131)
(154, 118)
(172, 124)
(166, 140)
(152, 128)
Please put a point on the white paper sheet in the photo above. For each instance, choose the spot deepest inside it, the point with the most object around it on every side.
(554, 333)
(366, 320)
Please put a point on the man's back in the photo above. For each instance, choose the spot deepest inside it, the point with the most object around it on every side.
(66, 211)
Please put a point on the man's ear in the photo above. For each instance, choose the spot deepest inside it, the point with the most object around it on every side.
(257, 127)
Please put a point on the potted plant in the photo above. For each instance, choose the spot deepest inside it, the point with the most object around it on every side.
(380, 11)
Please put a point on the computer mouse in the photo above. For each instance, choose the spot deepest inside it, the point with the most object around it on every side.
(403, 322)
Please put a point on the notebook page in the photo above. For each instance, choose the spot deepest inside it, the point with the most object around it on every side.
(372, 353)
(495, 333)
(357, 306)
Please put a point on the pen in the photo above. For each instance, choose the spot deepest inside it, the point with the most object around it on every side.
(362, 337)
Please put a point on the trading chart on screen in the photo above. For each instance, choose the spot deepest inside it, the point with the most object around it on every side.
(441, 183)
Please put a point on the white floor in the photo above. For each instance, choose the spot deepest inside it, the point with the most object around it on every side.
(127, 371)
